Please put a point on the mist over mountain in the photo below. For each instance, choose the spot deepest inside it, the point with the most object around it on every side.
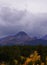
(12, 21)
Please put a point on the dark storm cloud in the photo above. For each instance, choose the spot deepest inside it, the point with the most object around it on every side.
(12, 21)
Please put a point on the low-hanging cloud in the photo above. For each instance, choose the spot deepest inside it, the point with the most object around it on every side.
(13, 21)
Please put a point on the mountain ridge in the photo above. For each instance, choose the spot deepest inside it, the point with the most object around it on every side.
(22, 38)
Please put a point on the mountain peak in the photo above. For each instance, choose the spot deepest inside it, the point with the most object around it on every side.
(22, 36)
(21, 33)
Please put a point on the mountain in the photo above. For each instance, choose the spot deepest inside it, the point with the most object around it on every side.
(22, 38)
(44, 37)
(19, 38)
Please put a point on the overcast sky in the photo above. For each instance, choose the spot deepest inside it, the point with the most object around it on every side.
(34, 6)
(23, 15)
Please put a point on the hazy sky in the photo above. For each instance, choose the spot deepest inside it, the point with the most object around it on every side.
(23, 15)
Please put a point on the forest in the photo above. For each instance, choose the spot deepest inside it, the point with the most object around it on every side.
(23, 55)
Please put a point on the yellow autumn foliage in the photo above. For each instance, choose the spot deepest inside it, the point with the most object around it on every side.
(3, 63)
(22, 57)
(42, 63)
(33, 57)
(15, 61)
